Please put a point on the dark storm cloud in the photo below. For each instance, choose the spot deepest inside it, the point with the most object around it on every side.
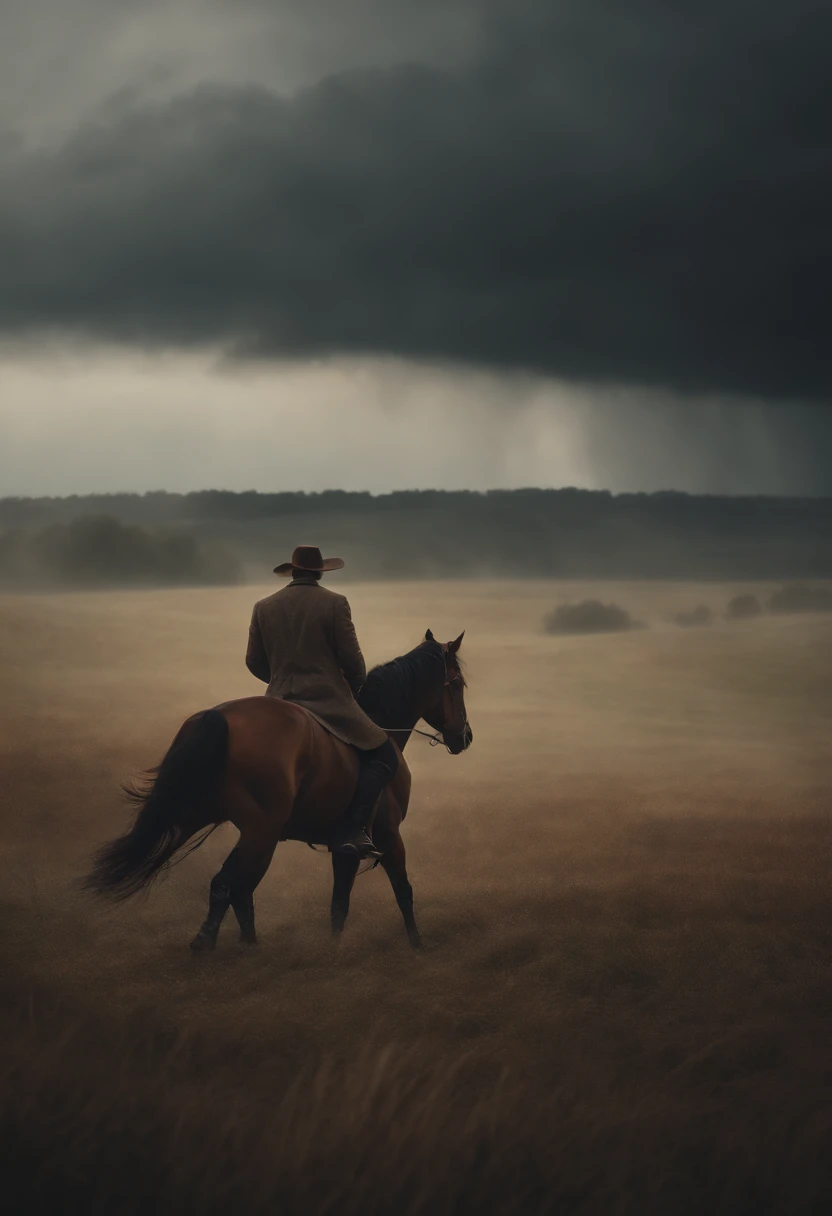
(631, 193)
(741, 447)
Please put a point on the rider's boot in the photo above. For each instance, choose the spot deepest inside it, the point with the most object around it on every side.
(373, 776)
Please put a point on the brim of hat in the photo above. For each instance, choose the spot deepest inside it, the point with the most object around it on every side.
(329, 563)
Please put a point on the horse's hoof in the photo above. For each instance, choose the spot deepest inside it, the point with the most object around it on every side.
(248, 939)
(203, 941)
(416, 945)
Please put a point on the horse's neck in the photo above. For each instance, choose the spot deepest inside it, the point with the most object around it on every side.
(415, 700)
(401, 738)
(408, 716)
(417, 706)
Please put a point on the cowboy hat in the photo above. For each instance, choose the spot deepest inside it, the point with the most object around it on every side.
(308, 557)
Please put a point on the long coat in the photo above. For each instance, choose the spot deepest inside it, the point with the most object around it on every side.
(302, 643)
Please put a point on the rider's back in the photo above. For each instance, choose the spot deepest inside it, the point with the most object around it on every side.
(302, 642)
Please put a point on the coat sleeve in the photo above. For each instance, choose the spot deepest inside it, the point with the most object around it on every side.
(256, 659)
(346, 646)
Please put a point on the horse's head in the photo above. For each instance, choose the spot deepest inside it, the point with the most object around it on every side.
(448, 714)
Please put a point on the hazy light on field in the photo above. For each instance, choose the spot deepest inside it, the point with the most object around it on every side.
(622, 885)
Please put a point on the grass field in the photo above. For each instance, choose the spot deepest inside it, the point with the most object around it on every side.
(624, 1003)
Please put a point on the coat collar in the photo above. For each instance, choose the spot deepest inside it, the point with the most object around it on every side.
(304, 582)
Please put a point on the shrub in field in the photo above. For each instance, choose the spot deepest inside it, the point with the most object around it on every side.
(800, 597)
(701, 615)
(589, 616)
(744, 608)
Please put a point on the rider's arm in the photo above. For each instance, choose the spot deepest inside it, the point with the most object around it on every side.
(346, 645)
(256, 660)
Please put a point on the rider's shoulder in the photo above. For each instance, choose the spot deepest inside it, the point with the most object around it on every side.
(276, 597)
(333, 597)
(323, 593)
(266, 600)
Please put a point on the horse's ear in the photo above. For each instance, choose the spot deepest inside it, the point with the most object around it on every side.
(453, 647)
(429, 636)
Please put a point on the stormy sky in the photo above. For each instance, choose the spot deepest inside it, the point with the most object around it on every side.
(377, 244)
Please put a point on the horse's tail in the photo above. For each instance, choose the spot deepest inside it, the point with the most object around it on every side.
(171, 810)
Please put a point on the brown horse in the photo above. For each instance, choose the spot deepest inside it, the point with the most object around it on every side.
(272, 770)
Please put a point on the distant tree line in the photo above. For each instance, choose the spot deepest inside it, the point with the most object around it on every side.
(100, 551)
(432, 533)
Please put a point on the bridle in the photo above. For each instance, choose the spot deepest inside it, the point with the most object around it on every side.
(435, 739)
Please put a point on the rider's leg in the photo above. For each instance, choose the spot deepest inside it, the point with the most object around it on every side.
(377, 769)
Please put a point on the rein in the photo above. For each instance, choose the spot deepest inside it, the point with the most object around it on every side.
(435, 739)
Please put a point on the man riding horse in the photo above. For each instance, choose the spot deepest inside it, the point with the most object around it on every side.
(305, 762)
(302, 643)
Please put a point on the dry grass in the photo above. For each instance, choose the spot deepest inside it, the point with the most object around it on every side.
(624, 889)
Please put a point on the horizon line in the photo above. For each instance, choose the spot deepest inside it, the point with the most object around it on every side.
(667, 492)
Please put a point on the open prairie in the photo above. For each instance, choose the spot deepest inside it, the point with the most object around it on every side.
(625, 998)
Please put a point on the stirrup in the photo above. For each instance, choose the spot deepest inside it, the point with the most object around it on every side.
(364, 849)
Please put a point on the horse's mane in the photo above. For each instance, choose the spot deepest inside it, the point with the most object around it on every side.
(391, 689)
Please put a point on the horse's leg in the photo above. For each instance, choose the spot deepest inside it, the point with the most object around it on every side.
(234, 886)
(242, 902)
(255, 861)
(219, 901)
(255, 763)
(344, 870)
(394, 862)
